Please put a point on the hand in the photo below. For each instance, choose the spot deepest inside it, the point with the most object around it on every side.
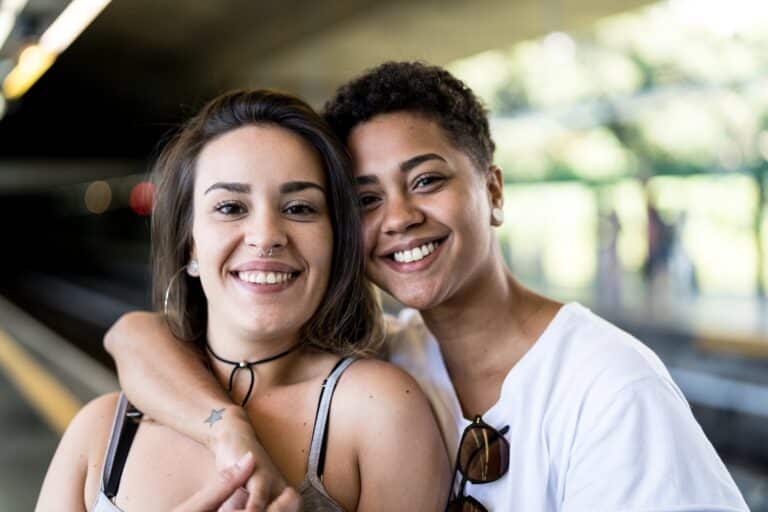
(225, 491)
(227, 485)
(267, 489)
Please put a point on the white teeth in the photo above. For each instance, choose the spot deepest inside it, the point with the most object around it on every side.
(416, 254)
(259, 277)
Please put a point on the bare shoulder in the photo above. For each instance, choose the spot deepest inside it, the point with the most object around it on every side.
(401, 458)
(372, 387)
(71, 482)
(93, 426)
(99, 407)
(94, 420)
(96, 417)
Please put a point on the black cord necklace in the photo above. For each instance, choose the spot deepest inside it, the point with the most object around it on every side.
(241, 365)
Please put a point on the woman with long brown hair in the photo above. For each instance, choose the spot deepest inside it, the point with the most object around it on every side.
(257, 265)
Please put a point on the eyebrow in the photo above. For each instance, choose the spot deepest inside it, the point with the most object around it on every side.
(418, 160)
(298, 186)
(244, 188)
(404, 167)
(366, 180)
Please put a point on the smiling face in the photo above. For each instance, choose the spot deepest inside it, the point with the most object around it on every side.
(261, 189)
(426, 209)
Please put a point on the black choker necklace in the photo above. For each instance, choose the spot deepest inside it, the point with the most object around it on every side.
(241, 365)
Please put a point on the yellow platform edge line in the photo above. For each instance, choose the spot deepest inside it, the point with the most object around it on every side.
(49, 397)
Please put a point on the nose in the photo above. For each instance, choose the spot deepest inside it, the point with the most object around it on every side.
(265, 232)
(400, 215)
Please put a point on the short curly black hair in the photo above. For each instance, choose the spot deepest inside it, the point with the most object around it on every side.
(415, 87)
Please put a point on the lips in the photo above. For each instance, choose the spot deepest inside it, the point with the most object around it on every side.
(265, 274)
(414, 250)
(266, 266)
(260, 277)
(414, 256)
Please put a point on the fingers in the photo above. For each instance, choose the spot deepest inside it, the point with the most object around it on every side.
(213, 495)
(288, 501)
(235, 502)
(260, 491)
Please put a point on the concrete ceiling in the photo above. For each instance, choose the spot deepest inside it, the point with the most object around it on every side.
(145, 64)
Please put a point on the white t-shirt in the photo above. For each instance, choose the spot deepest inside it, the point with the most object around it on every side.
(596, 423)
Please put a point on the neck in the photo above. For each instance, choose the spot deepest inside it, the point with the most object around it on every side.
(235, 345)
(487, 327)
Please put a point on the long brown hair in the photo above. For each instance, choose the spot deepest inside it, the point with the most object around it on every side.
(348, 318)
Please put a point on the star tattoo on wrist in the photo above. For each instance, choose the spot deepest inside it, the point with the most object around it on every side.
(216, 415)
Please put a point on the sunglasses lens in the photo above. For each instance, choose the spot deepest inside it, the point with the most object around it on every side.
(483, 455)
(466, 504)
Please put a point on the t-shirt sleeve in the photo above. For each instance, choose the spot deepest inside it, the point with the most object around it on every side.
(640, 449)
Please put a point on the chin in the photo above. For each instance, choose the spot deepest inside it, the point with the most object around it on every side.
(260, 325)
(421, 298)
(262, 331)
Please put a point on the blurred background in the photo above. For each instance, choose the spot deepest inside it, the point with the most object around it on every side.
(633, 137)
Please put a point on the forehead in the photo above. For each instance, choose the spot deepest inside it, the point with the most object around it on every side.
(387, 140)
(258, 154)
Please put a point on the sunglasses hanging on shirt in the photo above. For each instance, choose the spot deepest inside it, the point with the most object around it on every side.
(483, 457)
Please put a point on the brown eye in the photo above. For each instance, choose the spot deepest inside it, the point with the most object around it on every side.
(230, 208)
(367, 201)
(300, 209)
(427, 181)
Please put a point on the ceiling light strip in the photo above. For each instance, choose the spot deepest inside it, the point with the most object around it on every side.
(35, 60)
(9, 11)
(70, 24)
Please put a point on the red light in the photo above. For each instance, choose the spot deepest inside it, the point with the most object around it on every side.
(141, 198)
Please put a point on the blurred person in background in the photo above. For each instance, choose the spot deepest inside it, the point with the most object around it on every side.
(660, 241)
(545, 406)
(257, 263)
(608, 282)
(682, 271)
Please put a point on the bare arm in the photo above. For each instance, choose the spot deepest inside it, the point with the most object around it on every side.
(167, 380)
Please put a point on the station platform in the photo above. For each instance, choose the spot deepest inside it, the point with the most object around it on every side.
(45, 379)
(729, 325)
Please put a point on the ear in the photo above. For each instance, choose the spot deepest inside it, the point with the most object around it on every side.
(495, 186)
(495, 183)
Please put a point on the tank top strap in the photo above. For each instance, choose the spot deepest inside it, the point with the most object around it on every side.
(124, 428)
(320, 432)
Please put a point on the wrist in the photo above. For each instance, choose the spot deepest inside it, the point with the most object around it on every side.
(224, 423)
(232, 437)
